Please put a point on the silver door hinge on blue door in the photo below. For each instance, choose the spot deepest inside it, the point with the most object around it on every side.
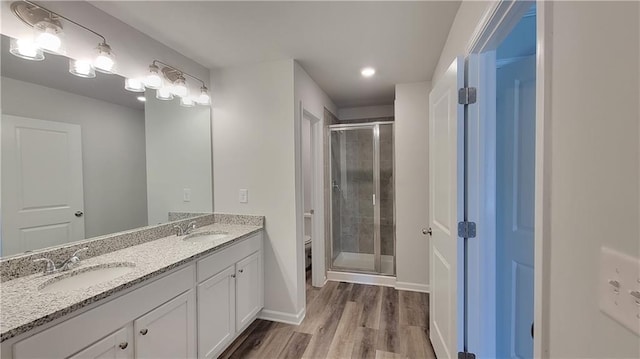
(467, 229)
(467, 95)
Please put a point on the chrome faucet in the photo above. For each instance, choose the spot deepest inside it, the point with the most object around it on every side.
(183, 231)
(50, 267)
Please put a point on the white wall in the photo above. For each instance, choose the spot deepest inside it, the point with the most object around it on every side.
(594, 169)
(357, 113)
(113, 151)
(314, 100)
(412, 184)
(178, 148)
(253, 148)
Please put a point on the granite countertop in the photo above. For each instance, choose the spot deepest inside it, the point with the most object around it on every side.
(25, 307)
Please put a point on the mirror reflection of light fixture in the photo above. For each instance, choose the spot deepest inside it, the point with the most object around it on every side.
(134, 85)
(153, 79)
(105, 60)
(48, 30)
(164, 93)
(204, 98)
(187, 102)
(25, 49)
(82, 68)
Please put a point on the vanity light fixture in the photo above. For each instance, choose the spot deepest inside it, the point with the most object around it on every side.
(368, 71)
(169, 81)
(48, 37)
(134, 85)
(26, 49)
(82, 68)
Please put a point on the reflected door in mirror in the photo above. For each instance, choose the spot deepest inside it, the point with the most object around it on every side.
(41, 184)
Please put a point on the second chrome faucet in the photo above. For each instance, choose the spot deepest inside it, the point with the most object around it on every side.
(50, 267)
(183, 231)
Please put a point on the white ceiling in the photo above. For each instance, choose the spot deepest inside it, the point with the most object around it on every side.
(331, 40)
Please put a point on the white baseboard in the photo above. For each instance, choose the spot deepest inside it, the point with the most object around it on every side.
(282, 317)
(414, 287)
(361, 278)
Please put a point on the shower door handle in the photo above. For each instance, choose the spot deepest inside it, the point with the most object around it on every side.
(374, 199)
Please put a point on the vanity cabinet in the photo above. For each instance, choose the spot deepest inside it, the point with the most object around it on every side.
(196, 310)
(115, 346)
(168, 331)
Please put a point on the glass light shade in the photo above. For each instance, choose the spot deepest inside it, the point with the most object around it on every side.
(105, 60)
(26, 49)
(81, 68)
(187, 102)
(48, 37)
(134, 85)
(180, 87)
(153, 79)
(204, 98)
(164, 93)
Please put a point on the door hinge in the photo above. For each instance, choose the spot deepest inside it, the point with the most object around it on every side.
(466, 355)
(467, 95)
(467, 229)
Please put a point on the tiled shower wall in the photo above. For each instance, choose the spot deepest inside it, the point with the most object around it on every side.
(352, 165)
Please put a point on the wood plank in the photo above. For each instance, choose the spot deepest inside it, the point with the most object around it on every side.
(328, 324)
(388, 336)
(387, 355)
(317, 307)
(252, 343)
(416, 343)
(372, 307)
(413, 309)
(275, 342)
(295, 348)
(342, 343)
(364, 343)
(240, 339)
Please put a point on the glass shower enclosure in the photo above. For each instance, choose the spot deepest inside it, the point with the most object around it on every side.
(362, 206)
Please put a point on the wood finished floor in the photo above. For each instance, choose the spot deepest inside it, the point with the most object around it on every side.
(345, 320)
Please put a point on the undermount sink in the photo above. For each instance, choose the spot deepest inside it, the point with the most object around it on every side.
(208, 236)
(86, 277)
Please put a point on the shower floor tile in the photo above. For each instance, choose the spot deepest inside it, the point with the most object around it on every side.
(363, 262)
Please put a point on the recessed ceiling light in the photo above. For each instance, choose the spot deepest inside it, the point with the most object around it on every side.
(142, 98)
(368, 71)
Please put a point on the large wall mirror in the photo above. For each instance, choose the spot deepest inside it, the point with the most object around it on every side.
(83, 158)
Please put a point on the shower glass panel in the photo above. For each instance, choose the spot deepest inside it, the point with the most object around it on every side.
(362, 205)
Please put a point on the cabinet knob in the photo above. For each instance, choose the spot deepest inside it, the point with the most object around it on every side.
(144, 331)
(233, 275)
(241, 270)
(427, 231)
(124, 345)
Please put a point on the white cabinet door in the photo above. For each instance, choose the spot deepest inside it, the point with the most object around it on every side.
(168, 331)
(248, 289)
(216, 313)
(118, 345)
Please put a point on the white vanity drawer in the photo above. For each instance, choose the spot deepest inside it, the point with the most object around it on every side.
(217, 262)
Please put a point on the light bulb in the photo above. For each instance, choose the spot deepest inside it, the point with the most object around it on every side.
(133, 85)
(204, 98)
(81, 68)
(164, 93)
(25, 49)
(153, 79)
(47, 37)
(187, 102)
(105, 60)
(180, 87)
(368, 71)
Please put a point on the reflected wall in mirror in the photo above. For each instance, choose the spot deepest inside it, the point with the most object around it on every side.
(84, 157)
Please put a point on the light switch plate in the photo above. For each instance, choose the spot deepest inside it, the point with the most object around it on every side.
(186, 196)
(619, 277)
(243, 196)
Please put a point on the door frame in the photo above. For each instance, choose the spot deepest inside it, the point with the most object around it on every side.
(318, 270)
(495, 25)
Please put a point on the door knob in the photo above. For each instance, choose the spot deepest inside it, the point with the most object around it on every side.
(124, 345)
(79, 214)
(426, 231)
(144, 331)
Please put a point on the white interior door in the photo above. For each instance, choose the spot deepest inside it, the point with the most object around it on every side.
(42, 198)
(445, 166)
(515, 190)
